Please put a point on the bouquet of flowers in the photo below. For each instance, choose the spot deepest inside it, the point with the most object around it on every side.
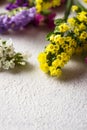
(24, 12)
(68, 38)
(20, 14)
(69, 34)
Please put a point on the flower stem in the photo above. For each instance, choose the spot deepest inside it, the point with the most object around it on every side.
(68, 8)
(80, 5)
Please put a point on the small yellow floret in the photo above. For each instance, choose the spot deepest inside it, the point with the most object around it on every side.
(74, 8)
(63, 27)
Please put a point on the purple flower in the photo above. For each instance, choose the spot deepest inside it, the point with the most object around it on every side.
(50, 20)
(3, 26)
(39, 19)
(11, 6)
(18, 21)
(45, 20)
(62, 1)
(86, 60)
(18, 3)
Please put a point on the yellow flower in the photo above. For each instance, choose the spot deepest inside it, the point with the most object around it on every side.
(70, 52)
(42, 5)
(55, 72)
(38, 8)
(76, 31)
(42, 57)
(65, 57)
(71, 21)
(63, 27)
(58, 63)
(52, 38)
(73, 43)
(56, 3)
(82, 16)
(83, 35)
(57, 47)
(58, 39)
(68, 39)
(85, 1)
(65, 46)
(74, 8)
(44, 67)
(46, 5)
(39, 1)
(50, 48)
(82, 26)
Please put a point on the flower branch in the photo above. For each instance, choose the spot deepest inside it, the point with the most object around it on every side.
(68, 38)
(9, 59)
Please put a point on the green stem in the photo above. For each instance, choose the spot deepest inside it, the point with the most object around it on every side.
(68, 8)
(12, 1)
(80, 5)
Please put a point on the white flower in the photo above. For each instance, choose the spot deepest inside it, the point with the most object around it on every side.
(6, 65)
(1, 51)
(22, 63)
(11, 64)
(8, 57)
(0, 64)
(3, 59)
(9, 50)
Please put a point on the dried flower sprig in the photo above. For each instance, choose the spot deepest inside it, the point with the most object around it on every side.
(16, 20)
(41, 5)
(44, 13)
(68, 38)
(9, 58)
(17, 3)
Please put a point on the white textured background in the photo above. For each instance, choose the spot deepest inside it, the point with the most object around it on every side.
(31, 100)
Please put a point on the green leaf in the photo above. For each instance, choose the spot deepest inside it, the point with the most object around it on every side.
(68, 9)
(12, 1)
(4, 42)
(48, 36)
(59, 21)
(46, 12)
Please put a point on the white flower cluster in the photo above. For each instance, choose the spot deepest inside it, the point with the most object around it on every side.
(8, 57)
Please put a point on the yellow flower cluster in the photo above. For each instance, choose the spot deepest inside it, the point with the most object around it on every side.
(42, 5)
(67, 39)
(85, 1)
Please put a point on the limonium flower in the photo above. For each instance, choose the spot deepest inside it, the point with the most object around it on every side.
(16, 21)
(68, 38)
(45, 20)
(41, 5)
(9, 58)
(17, 3)
(85, 1)
(45, 15)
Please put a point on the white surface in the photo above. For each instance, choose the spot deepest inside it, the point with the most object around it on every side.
(31, 100)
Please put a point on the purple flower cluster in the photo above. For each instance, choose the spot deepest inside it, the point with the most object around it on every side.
(18, 21)
(45, 20)
(86, 60)
(18, 3)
